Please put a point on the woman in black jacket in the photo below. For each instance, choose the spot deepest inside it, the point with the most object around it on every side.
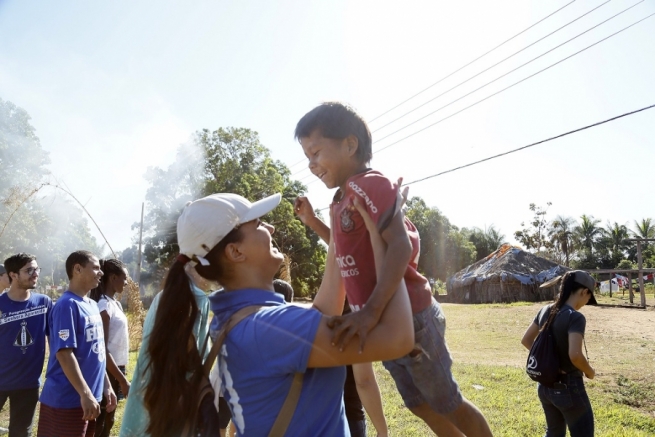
(565, 402)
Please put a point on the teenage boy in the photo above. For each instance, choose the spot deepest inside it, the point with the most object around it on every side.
(76, 375)
(23, 331)
(337, 142)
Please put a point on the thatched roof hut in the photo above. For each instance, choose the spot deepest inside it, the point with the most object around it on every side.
(509, 274)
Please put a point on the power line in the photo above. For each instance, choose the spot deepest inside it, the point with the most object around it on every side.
(501, 61)
(476, 59)
(514, 84)
(526, 147)
(505, 74)
(531, 145)
(461, 68)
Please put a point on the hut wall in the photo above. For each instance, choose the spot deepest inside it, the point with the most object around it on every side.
(496, 291)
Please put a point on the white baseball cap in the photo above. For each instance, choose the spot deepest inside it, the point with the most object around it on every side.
(205, 222)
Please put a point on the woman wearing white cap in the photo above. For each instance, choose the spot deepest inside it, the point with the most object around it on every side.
(223, 236)
(565, 403)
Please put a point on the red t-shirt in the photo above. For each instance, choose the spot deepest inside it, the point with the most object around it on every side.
(353, 244)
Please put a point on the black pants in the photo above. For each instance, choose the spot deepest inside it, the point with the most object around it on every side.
(105, 421)
(22, 404)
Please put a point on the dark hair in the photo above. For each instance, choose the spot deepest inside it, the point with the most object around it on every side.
(16, 262)
(567, 288)
(337, 121)
(170, 394)
(81, 257)
(109, 267)
(284, 288)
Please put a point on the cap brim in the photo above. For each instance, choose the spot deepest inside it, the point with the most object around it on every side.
(592, 299)
(262, 207)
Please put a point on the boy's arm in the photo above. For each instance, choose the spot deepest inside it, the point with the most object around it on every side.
(110, 395)
(331, 294)
(112, 367)
(391, 272)
(305, 213)
(71, 368)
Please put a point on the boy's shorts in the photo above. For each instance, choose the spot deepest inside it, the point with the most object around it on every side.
(64, 422)
(426, 377)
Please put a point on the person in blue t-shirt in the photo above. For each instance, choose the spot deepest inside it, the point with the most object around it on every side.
(23, 331)
(76, 377)
(223, 239)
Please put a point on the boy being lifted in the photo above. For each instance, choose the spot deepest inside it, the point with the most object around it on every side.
(337, 142)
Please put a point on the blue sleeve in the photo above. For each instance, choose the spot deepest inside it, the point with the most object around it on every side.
(577, 323)
(48, 304)
(286, 335)
(63, 325)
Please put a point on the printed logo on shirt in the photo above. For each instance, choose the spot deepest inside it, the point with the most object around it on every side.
(348, 266)
(24, 338)
(99, 348)
(364, 196)
(64, 334)
(22, 314)
(347, 223)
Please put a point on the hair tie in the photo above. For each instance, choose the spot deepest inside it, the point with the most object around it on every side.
(183, 259)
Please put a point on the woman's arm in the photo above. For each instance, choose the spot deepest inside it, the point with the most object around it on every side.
(530, 335)
(577, 357)
(112, 367)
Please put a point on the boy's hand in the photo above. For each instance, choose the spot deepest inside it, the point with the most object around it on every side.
(346, 327)
(303, 209)
(90, 407)
(110, 395)
(125, 387)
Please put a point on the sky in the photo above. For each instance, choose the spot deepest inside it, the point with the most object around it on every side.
(116, 87)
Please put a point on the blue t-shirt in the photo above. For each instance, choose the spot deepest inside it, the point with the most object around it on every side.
(75, 323)
(258, 361)
(23, 329)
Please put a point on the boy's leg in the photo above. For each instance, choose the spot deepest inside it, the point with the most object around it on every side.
(22, 404)
(426, 383)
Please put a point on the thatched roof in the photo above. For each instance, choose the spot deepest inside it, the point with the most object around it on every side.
(507, 264)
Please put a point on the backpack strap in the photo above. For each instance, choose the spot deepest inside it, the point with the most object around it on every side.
(235, 319)
(289, 407)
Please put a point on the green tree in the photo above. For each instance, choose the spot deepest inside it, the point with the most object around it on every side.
(486, 241)
(613, 241)
(533, 236)
(561, 238)
(229, 160)
(585, 236)
(444, 249)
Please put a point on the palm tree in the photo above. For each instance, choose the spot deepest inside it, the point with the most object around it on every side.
(561, 235)
(586, 234)
(615, 236)
(644, 229)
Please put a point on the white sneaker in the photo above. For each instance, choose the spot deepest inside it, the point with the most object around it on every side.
(3, 431)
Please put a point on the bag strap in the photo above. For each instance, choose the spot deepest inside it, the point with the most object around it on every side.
(235, 319)
(289, 406)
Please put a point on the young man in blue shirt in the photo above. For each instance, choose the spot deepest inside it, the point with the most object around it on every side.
(23, 331)
(76, 375)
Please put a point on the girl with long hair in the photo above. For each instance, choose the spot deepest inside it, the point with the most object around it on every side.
(222, 237)
(117, 341)
(565, 403)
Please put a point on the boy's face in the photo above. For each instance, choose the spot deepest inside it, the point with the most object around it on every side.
(332, 161)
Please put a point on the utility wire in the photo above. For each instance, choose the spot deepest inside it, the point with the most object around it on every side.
(526, 147)
(461, 68)
(530, 145)
(514, 84)
(503, 60)
(508, 87)
(476, 59)
(509, 72)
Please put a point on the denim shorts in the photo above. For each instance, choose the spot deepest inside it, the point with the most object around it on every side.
(424, 376)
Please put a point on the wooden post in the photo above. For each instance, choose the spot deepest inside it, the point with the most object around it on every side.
(137, 275)
(630, 287)
(610, 284)
(641, 275)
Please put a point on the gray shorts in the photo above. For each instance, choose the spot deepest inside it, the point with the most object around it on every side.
(425, 377)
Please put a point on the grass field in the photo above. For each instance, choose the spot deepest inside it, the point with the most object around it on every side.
(485, 344)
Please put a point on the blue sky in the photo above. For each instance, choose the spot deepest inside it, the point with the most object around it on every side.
(115, 87)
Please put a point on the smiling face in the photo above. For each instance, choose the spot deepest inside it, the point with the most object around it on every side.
(257, 245)
(88, 276)
(332, 161)
(27, 276)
